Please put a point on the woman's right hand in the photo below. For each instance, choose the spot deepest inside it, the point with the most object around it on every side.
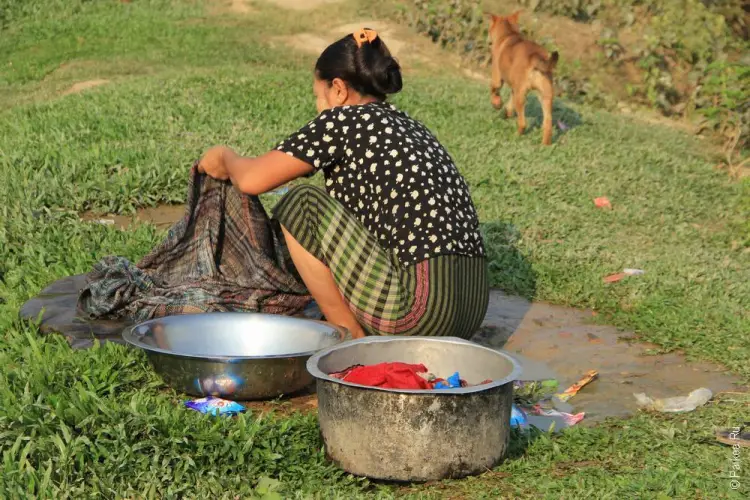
(212, 163)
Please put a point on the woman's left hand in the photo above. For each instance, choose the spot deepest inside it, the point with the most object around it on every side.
(212, 163)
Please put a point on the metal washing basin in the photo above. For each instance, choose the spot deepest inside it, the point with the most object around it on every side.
(409, 435)
(239, 356)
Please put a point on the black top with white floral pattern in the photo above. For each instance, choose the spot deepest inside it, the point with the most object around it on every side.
(392, 173)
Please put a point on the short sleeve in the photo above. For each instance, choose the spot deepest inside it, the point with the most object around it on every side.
(320, 143)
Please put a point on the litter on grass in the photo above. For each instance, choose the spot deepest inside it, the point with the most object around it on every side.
(633, 272)
(602, 202)
(215, 406)
(570, 419)
(613, 278)
(678, 404)
(540, 407)
(573, 389)
(736, 436)
(518, 417)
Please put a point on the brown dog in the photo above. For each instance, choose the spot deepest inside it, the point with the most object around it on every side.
(524, 66)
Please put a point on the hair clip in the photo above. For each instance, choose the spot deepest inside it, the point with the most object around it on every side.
(364, 35)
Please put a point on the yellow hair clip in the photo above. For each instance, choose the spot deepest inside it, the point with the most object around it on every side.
(364, 35)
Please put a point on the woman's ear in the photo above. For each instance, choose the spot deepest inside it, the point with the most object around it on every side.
(339, 91)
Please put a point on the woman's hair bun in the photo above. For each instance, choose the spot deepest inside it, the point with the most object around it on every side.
(370, 69)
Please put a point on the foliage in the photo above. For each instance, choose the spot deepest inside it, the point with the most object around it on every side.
(455, 24)
(723, 98)
(580, 10)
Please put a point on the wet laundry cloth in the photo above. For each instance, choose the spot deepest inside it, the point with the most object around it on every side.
(453, 382)
(225, 254)
(386, 375)
(398, 375)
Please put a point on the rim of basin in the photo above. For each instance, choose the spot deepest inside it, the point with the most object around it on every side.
(132, 337)
(314, 361)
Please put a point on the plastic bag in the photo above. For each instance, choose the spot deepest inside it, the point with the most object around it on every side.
(678, 404)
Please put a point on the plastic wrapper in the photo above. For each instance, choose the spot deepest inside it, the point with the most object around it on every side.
(215, 406)
(518, 417)
(678, 404)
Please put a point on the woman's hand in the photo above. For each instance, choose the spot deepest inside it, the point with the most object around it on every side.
(213, 163)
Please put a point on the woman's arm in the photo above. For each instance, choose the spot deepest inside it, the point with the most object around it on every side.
(252, 175)
(261, 174)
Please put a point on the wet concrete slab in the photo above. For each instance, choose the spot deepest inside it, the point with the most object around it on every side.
(550, 342)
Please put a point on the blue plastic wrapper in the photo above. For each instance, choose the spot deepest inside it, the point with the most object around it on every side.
(453, 382)
(215, 406)
(518, 417)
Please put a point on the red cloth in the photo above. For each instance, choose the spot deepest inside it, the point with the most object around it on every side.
(389, 376)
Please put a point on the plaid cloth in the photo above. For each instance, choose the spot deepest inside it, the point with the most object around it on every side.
(224, 255)
(444, 295)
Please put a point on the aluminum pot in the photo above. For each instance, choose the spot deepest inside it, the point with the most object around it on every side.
(407, 435)
(238, 356)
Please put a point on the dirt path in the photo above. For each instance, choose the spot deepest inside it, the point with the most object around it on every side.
(241, 6)
(79, 87)
(302, 4)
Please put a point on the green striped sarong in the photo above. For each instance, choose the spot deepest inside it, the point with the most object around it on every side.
(444, 295)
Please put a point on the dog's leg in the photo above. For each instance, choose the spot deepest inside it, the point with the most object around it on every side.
(496, 84)
(509, 105)
(519, 102)
(547, 93)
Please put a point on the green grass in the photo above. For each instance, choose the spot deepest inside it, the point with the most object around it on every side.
(100, 423)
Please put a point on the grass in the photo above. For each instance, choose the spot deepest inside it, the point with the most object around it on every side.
(185, 76)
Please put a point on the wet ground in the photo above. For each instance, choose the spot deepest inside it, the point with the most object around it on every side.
(161, 216)
(568, 343)
(552, 341)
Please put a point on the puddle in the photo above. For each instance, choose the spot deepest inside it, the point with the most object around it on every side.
(162, 216)
(566, 342)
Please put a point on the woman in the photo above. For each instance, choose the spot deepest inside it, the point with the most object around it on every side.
(392, 245)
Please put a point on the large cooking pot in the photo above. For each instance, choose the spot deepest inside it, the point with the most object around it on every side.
(408, 435)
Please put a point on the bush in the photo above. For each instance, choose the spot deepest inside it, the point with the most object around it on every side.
(454, 24)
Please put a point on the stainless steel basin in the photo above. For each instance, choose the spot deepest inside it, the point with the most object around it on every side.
(238, 356)
(407, 435)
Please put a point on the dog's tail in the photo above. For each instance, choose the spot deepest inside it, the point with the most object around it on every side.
(546, 65)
